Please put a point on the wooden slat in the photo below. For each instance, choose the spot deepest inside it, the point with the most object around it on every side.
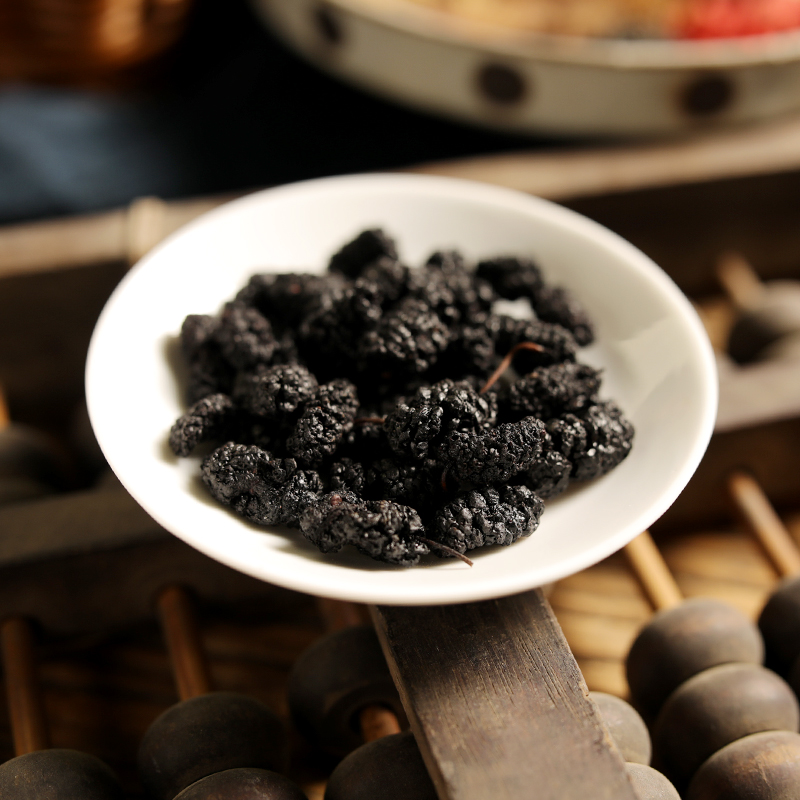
(497, 702)
(734, 152)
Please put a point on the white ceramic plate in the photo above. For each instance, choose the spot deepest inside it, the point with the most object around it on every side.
(657, 364)
(531, 83)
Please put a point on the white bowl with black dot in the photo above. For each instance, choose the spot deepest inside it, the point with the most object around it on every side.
(541, 84)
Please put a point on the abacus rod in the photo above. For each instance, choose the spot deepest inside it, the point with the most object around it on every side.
(182, 635)
(338, 614)
(653, 572)
(739, 280)
(375, 721)
(5, 416)
(760, 517)
(25, 707)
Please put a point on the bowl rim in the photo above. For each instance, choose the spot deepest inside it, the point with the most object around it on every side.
(780, 47)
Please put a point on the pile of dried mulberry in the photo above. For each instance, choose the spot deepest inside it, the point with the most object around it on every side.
(392, 408)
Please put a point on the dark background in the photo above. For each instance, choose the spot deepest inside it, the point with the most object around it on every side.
(231, 109)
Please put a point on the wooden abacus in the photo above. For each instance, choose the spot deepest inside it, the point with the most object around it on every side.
(105, 674)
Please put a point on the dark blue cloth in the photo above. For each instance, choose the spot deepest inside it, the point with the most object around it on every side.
(233, 110)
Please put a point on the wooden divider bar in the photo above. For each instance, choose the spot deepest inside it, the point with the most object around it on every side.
(497, 703)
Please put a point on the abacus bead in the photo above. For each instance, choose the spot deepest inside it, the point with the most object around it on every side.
(209, 733)
(650, 784)
(333, 680)
(794, 676)
(58, 774)
(30, 466)
(680, 642)
(390, 768)
(243, 784)
(715, 708)
(626, 726)
(764, 766)
(780, 625)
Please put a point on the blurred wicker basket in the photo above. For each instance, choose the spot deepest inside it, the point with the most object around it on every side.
(85, 42)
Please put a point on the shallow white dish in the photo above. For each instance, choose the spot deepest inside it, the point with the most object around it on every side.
(657, 364)
(532, 83)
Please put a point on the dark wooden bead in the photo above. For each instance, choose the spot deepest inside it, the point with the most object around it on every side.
(30, 465)
(333, 680)
(58, 775)
(626, 726)
(210, 733)
(390, 768)
(764, 766)
(794, 676)
(780, 625)
(683, 641)
(650, 784)
(717, 707)
(243, 784)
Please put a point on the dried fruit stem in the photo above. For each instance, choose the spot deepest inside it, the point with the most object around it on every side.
(506, 363)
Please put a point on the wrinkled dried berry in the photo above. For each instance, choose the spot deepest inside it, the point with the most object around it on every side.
(550, 474)
(207, 370)
(213, 417)
(596, 441)
(414, 427)
(552, 391)
(486, 517)
(276, 391)
(368, 246)
(302, 490)
(325, 419)
(382, 530)
(347, 475)
(245, 336)
(408, 339)
(494, 455)
(286, 298)
(558, 305)
(557, 343)
(451, 290)
(412, 483)
(512, 277)
(263, 489)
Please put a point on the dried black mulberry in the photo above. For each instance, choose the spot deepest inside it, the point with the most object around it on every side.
(245, 336)
(552, 391)
(558, 305)
(275, 391)
(494, 455)
(368, 246)
(325, 419)
(512, 277)
(596, 441)
(408, 339)
(383, 530)
(486, 517)
(413, 427)
(213, 417)
(550, 474)
(557, 343)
